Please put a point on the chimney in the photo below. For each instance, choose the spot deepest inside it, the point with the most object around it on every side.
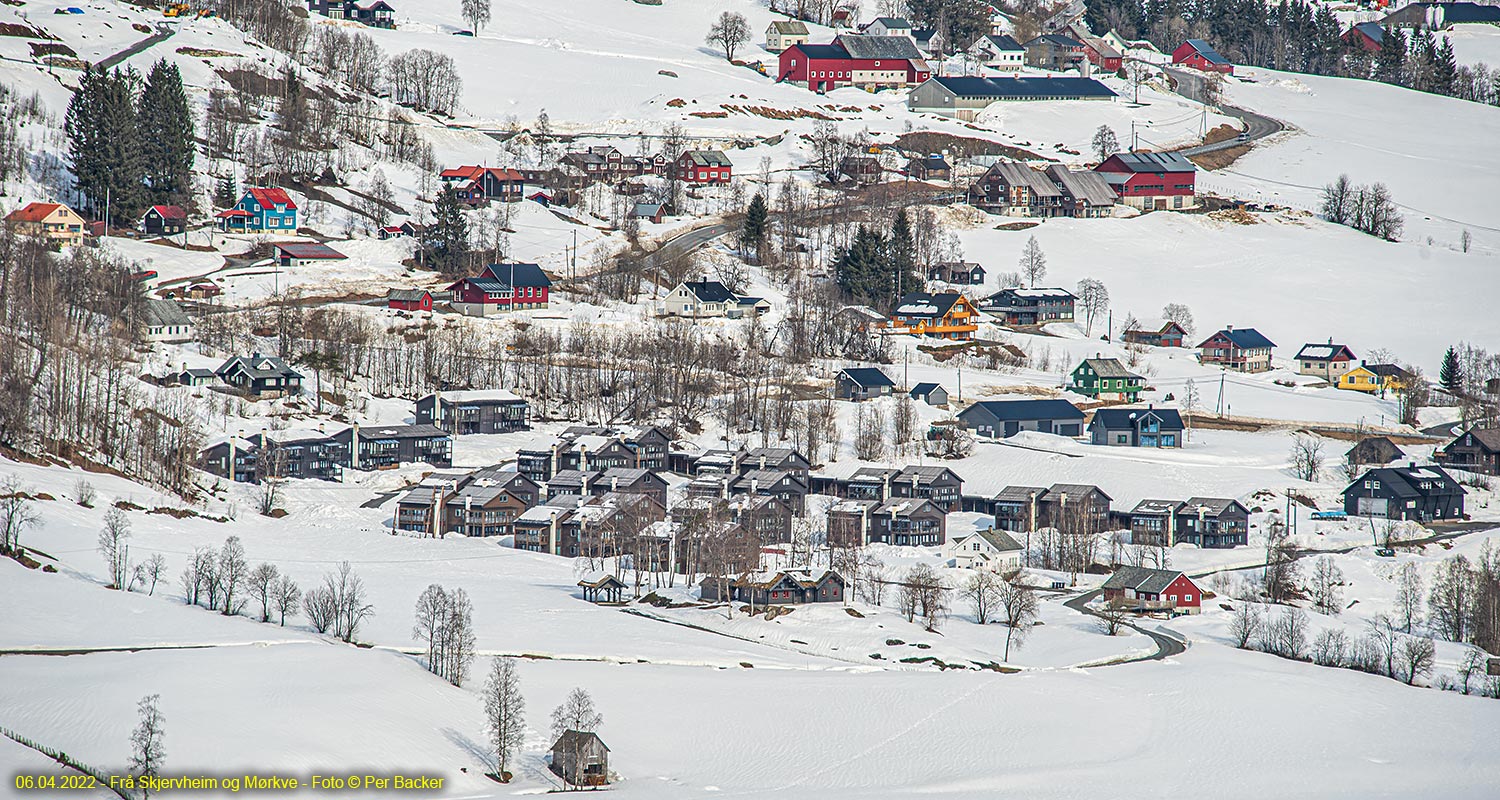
(614, 483)
(437, 408)
(583, 457)
(233, 440)
(724, 487)
(354, 446)
(1229, 328)
(763, 461)
(754, 486)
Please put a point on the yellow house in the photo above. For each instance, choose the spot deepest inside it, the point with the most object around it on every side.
(1374, 378)
(55, 221)
(948, 315)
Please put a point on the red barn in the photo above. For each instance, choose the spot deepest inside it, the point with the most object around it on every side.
(501, 287)
(1151, 180)
(702, 167)
(478, 185)
(409, 300)
(854, 61)
(1367, 36)
(1102, 54)
(1201, 55)
(1143, 589)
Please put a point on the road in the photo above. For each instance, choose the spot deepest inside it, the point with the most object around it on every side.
(163, 33)
(1166, 646)
(1257, 126)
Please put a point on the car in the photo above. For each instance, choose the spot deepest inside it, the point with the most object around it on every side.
(144, 275)
(1244, 137)
(463, 33)
(1385, 552)
(1333, 515)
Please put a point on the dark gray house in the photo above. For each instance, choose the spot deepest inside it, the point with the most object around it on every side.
(1018, 508)
(940, 485)
(871, 483)
(862, 383)
(1212, 522)
(1152, 522)
(901, 522)
(1004, 418)
(1475, 450)
(1406, 493)
(392, 445)
(930, 393)
(784, 458)
(462, 413)
(1018, 306)
(632, 481)
(785, 485)
(260, 376)
(581, 759)
(1137, 427)
(1375, 451)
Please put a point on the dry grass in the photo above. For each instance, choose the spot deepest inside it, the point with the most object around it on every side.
(1219, 159)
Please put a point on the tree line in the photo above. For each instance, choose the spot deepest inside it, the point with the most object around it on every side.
(1296, 36)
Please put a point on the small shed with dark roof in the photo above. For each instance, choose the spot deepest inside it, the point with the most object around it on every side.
(581, 758)
(862, 383)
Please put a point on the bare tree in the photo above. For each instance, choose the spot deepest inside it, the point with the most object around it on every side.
(1019, 610)
(147, 753)
(1451, 598)
(1111, 617)
(729, 32)
(1409, 591)
(233, 570)
(260, 584)
(114, 548)
(1105, 144)
(476, 13)
(924, 595)
(576, 713)
(16, 514)
(1329, 647)
(982, 591)
(351, 606)
(504, 713)
(1244, 624)
(286, 598)
(151, 571)
(1094, 299)
(1307, 456)
(430, 614)
(1290, 629)
(1180, 314)
(1033, 262)
(1414, 658)
(1327, 587)
(1385, 634)
(1473, 663)
(83, 493)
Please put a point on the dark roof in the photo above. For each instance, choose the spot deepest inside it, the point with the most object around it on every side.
(1109, 368)
(1027, 409)
(407, 295)
(1245, 338)
(1407, 482)
(1387, 370)
(1372, 30)
(1118, 418)
(1489, 437)
(1024, 87)
(1019, 494)
(1380, 450)
(1207, 51)
(1003, 42)
(790, 27)
(1154, 162)
(1157, 507)
(924, 304)
(312, 251)
(868, 377)
(1454, 13)
(824, 51)
(259, 366)
(894, 47)
(924, 389)
(518, 274)
(1000, 540)
(1324, 352)
(708, 158)
(577, 741)
(1210, 506)
(1056, 39)
(891, 22)
(1142, 579)
(709, 291)
(162, 313)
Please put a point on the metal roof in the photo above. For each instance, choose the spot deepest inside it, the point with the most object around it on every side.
(1001, 88)
(1026, 409)
(1142, 579)
(867, 47)
(1154, 162)
(868, 377)
(1207, 51)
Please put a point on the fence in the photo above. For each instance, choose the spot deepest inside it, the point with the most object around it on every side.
(66, 760)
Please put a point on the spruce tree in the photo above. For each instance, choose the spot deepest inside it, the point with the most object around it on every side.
(1444, 69)
(861, 268)
(753, 235)
(1452, 373)
(226, 194)
(167, 135)
(448, 237)
(901, 259)
(1390, 62)
(83, 128)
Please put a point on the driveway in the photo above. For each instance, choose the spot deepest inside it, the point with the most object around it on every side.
(1257, 126)
(1166, 646)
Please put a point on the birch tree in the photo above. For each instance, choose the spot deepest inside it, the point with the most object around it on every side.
(147, 754)
(504, 712)
(114, 548)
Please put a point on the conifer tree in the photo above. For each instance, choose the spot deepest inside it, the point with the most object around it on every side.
(167, 135)
(861, 268)
(227, 193)
(901, 259)
(448, 237)
(753, 235)
(1452, 373)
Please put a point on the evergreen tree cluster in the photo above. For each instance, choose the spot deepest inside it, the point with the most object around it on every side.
(876, 269)
(1297, 36)
(131, 143)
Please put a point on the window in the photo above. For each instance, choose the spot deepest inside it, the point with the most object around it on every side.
(1187, 598)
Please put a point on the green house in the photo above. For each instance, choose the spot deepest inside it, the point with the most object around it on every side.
(1107, 379)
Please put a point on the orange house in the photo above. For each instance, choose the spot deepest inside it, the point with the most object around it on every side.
(55, 221)
(947, 315)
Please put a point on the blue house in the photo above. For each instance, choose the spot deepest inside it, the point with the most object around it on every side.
(261, 210)
(1137, 427)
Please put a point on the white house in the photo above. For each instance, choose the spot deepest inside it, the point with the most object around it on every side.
(708, 298)
(989, 550)
(998, 51)
(784, 33)
(889, 26)
(165, 322)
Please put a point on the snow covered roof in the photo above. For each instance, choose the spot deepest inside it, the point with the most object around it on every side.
(1325, 352)
(1158, 507)
(479, 396)
(1142, 579)
(892, 47)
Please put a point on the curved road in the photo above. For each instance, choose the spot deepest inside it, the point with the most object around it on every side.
(1166, 646)
(1257, 126)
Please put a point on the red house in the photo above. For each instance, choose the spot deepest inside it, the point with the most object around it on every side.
(1142, 589)
(702, 167)
(1201, 55)
(1102, 54)
(479, 185)
(1366, 36)
(409, 299)
(854, 61)
(501, 287)
(1151, 180)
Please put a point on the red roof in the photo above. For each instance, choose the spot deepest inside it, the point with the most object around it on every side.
(34, 212)
(462, 172)
(170, 212)
(271, 198)
(233, 212)
(475, 173)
